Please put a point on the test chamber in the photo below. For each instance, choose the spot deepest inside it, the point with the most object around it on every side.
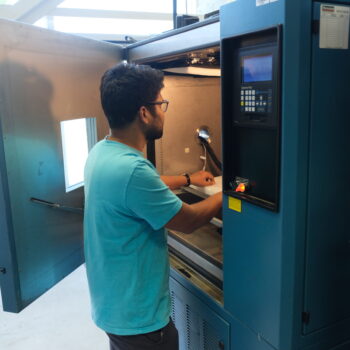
(284, 273)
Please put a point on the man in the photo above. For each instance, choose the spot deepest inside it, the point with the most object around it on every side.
(127, 206)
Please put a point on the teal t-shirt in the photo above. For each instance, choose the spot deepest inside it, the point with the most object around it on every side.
(127, 263)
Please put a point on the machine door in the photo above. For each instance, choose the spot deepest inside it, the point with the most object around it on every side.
(46, 78)
(328, 236)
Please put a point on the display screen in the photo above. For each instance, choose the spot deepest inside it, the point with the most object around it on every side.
(257, 68)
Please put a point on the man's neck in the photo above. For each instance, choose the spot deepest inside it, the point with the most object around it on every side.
(130, 136)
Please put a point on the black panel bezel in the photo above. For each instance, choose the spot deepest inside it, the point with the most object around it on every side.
(231, 52)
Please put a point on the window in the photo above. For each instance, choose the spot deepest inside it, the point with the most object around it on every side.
(118, 27)
(158, 6)
(78, 137)
(111, 20)
(8, 2)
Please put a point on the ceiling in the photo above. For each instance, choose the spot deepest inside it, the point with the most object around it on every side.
(97, 23)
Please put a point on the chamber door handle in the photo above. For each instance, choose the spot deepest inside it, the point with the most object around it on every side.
(57, 206)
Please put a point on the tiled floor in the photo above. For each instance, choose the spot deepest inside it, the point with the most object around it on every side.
(59, 320)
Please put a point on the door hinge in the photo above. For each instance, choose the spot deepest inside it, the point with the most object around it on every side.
(2, 270)
(305, 316)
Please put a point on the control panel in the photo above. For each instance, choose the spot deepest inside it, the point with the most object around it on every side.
(251, 117)
(256, 100)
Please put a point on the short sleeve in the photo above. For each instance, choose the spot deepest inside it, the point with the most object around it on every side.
(149, 198)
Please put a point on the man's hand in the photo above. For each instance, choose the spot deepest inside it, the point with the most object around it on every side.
(202, 178)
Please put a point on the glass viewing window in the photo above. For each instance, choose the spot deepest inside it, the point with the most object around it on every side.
(78, 137)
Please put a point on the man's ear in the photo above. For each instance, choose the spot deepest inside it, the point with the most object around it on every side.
(144, 115)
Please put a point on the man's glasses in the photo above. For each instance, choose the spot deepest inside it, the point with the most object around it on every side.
(163, 104)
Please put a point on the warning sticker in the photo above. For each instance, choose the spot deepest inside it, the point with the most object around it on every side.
(235, 204)
(334, 27)
(264, 2)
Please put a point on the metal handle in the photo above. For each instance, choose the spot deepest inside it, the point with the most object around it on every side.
(57, 206)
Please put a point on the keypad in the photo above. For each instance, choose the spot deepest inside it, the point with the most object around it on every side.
(256, 101)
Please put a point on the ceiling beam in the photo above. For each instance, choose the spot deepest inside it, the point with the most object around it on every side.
(67, 12)
(17, 10)
(111, 37)
(41, 9)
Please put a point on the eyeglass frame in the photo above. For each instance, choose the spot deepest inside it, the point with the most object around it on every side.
(166, 102)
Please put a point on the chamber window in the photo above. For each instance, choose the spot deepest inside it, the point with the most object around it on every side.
(78, 137)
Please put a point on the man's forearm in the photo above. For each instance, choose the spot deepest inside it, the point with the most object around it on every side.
(191, 217)
(174, 182)
(199, 178)
(205, 210)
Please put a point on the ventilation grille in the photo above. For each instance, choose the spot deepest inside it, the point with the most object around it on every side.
(210, 338)
(195, 333)
(173, 314)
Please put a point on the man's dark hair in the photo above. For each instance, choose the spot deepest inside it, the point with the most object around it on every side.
(125, 88)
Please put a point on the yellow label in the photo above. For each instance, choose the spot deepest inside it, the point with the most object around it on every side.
(242, 103)
(235, 204)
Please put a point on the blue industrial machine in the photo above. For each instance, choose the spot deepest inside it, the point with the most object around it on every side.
(273, 272)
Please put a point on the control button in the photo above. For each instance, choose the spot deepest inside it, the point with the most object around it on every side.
(242, 103)
(240, 188)
(246, 92)
(242, 98)
(253, 92)
(246, 109)
(253, 98)
(253, 103)
(242, 92)
(253, 109)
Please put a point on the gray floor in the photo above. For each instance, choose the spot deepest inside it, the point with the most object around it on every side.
(59, 320)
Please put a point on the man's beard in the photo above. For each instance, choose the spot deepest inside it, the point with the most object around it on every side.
(153, 133)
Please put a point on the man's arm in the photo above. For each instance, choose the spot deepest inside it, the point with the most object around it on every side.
(200, 178)
(191, 217)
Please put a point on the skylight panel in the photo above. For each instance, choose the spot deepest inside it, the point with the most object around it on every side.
(158, 6)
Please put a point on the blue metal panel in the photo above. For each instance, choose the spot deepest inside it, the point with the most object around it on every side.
(253, 238)
(8, 264)
(264, 255)
(244, 16)
(46, 77)
(252, 268)
(328, 250)
(259, 246)
(243, 338)
(294, 150)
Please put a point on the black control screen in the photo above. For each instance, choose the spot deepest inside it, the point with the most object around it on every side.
(256, 68)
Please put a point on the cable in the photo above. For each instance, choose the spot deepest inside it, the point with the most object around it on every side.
(211, 153)
(204, 158)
